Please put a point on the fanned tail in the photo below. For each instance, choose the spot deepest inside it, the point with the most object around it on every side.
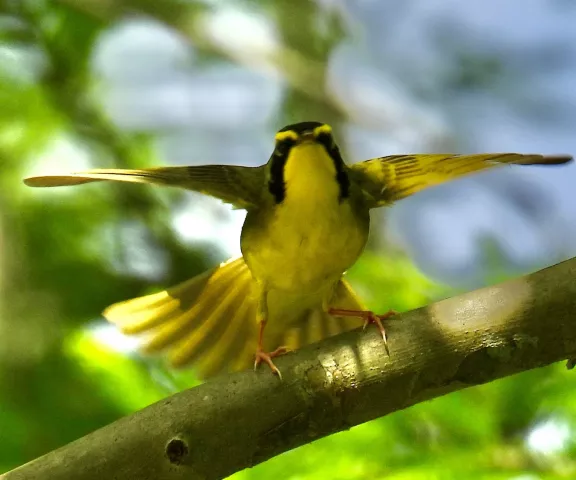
(315, 324)
(210, 320)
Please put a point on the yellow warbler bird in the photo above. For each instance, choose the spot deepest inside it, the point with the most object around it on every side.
(307, 222)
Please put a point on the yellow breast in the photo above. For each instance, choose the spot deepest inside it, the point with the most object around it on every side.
(310, 177)
(311, 237)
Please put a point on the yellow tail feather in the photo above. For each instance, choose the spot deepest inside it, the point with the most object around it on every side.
(210, 320)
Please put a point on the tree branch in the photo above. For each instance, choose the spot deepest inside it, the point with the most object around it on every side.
(237, 421)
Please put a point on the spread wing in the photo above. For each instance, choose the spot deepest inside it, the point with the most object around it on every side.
(240, 186)
(387, 179)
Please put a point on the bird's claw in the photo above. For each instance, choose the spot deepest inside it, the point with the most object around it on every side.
(266, 357)
(371, 317)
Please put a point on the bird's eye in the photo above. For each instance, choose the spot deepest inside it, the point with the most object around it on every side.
(283, 146)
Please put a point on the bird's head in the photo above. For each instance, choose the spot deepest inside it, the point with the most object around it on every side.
(305, 153)
(302, 133)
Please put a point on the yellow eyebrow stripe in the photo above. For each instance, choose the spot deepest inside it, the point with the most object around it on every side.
(323, 129)
(287, 135)
(294, 136)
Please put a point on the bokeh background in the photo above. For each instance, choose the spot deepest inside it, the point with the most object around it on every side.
(135, 83)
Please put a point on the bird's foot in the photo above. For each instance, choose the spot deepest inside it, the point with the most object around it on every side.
(369, 317)
(266, 357)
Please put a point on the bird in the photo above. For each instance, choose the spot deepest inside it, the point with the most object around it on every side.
(307, 222)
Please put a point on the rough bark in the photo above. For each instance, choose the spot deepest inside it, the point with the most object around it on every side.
(237, 421)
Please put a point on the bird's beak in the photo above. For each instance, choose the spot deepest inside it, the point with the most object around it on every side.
(306, 137)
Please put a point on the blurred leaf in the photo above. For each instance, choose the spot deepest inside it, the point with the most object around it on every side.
(391, 281)
(117, 378)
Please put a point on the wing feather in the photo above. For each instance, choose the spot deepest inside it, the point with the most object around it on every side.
(240, 186)
(387, 179)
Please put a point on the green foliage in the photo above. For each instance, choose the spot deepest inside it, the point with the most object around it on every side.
(64, 258)
(390, 281)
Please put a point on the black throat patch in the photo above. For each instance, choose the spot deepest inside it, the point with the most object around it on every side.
(277, 184)
(334, 152)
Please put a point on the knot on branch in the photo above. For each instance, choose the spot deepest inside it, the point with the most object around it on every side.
(177, 450)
